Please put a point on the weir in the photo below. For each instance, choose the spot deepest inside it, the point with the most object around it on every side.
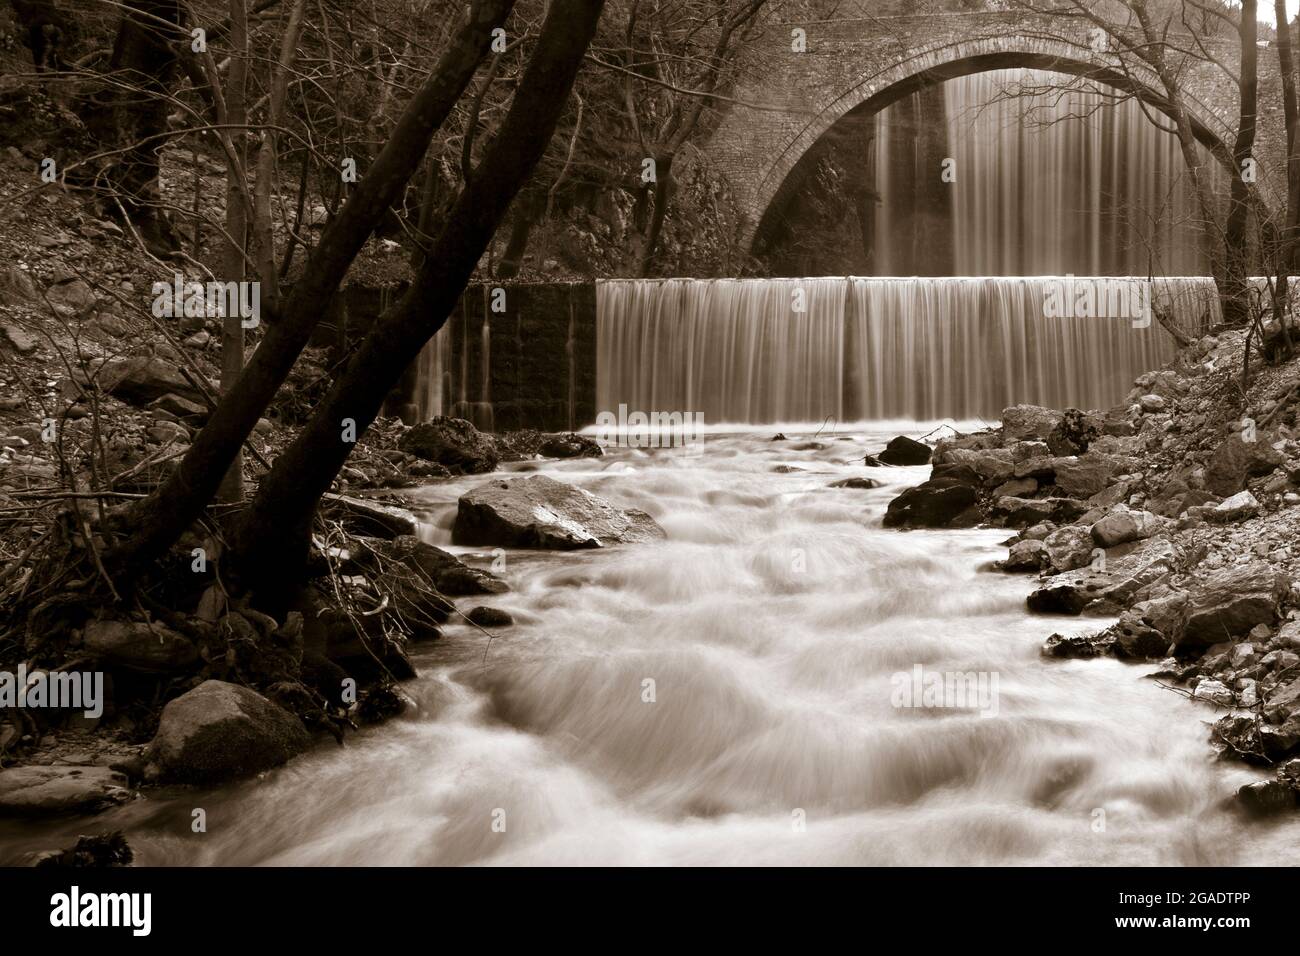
(860, 349)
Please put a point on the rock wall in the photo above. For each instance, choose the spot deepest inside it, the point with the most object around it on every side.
(540, 350)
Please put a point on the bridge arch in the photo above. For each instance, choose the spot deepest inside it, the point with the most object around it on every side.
(761, 190)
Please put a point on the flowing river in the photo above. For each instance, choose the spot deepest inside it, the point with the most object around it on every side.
(770, 629)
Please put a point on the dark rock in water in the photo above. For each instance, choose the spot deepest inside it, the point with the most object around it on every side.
(938, 503)
(570, 446)
(137, 646)
(1267, 797)
(362, 516)
(1135, 640)
(1058, 599)
(778, 437)
(219, 731)
(961, 474)
(489, 617)
(859, 483)
(905, 451)
(41, 791)
(382, 702)
(540, 512)
(1074, 433)
(453, 443)
(105, 849)
(872, 462)
(1079, 645)
(1028, 555)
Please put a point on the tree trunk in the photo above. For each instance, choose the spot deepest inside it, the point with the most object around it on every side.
(263, 236)
(272, 538)
(131, 116)
(1291, 112)
(165, 515)
(662, 195)
(232, 329)
(1235, 293)
(527, 211)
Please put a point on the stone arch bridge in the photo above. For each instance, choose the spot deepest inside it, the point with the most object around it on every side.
(784, 101)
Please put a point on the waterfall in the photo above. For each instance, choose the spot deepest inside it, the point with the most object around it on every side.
(1045, 174)
(741, 351)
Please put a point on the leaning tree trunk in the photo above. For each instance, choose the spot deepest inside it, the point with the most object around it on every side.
(165, 515)
(271, 540)
(128, 120)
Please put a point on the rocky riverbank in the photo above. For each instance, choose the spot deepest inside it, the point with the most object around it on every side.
(198, 688)
(1178, 512)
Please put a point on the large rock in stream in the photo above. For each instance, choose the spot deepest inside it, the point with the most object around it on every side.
(453, 443)
(219, 731)
(540, 512)
(905, 451)
(35, 791)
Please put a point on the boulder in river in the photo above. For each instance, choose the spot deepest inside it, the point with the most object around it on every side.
(860, 484)
(937, 503)
(1027, 555)
(905, 451)
(34, 791)
(570, 446)
(489, 617)
(1267, 797)
(219, 731)
(453, 443)
(540, 512)
(1080, 645)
